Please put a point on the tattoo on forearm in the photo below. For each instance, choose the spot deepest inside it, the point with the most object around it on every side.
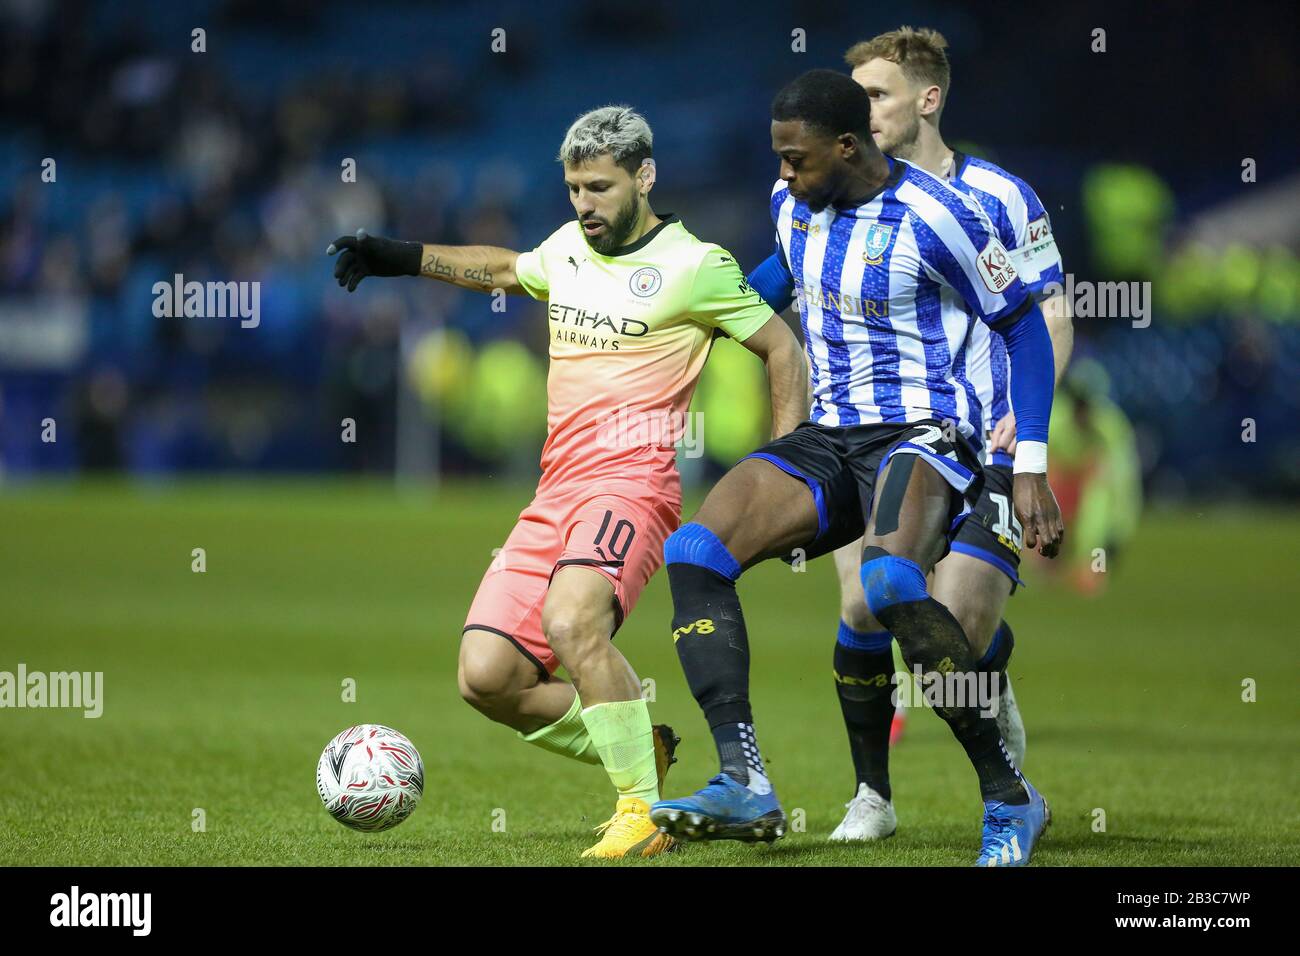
(481, 276)
(438, 268)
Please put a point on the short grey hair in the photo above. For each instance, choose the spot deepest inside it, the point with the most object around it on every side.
(618, 130)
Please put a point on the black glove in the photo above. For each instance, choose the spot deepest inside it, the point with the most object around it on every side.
(366, 255)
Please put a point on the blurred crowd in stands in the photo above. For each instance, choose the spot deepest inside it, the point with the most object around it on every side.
(230, 163)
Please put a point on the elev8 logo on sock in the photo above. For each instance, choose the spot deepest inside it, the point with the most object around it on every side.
(703, 626)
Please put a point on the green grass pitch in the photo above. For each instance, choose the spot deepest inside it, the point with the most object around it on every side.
(221, 689)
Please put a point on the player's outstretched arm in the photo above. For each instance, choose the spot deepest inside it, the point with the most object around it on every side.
(1029, 347)
(787, 375)
(481, 268)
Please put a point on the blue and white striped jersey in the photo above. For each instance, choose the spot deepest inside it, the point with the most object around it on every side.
(887, 292)
(1026, 230)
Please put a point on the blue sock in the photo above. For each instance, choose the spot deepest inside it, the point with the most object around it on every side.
(997, 656)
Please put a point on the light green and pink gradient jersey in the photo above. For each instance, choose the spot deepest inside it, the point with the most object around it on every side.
(629, 335)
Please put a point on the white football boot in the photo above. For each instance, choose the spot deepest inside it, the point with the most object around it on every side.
(870, 817)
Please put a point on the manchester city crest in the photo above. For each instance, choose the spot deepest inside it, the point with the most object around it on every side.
(645, 282)
(877, 241)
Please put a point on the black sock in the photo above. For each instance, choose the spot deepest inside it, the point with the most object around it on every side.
(738, 753)
(709, 634)
(864, 683)
(931, 639)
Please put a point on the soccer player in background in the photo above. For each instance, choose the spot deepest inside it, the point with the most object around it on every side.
(890, 265)
(906, 74)
(634, 302)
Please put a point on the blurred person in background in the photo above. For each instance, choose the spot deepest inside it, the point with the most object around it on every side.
(1097, 475)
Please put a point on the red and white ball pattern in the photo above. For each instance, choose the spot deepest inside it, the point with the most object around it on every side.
(370, 777)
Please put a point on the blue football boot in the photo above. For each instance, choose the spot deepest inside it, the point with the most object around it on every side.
(723, 810)
(1011, 830)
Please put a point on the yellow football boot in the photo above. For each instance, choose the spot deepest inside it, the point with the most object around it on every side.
(629, 833)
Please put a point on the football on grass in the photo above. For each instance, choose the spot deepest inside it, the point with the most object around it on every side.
(370, 777)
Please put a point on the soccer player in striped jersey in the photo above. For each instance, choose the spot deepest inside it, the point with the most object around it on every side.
(892, 268)
(634, 303)
(906, 74)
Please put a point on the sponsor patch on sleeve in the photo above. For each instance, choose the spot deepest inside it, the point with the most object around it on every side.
(1040, 230)
(995, 268)
(1038, 254)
